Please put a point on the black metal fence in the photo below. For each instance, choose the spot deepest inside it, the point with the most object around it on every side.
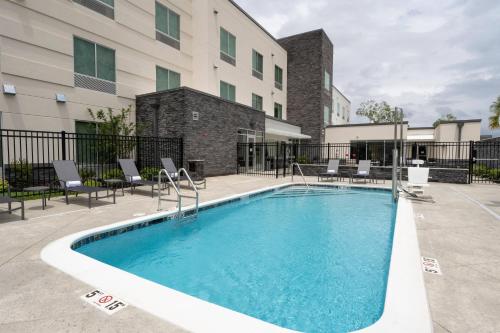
(486, 162)
(274, 159)
(26, 156)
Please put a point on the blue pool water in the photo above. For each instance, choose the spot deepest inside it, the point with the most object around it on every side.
(313, 262)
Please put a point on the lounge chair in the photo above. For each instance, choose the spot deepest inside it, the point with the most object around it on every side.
(363, 170)
(331, 171)
(418, 178)
(169, 165)
(70, 180)
(9, 201)
(133, 177)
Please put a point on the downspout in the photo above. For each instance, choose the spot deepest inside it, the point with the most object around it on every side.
(460, 126)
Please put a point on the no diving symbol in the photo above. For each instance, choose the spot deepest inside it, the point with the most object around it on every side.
(105, 299)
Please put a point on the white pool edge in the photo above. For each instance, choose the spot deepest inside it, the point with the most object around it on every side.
(406, 308)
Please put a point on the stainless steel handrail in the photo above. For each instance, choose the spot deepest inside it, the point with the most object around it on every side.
(195, 189)
(177, 189)
(300, 170)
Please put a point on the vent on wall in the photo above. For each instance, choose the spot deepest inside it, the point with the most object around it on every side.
(228, 59)
(93, 83)
(168, 40)
(98, 6)
(257, 74)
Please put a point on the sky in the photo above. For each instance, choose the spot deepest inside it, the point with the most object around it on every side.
(428, 57)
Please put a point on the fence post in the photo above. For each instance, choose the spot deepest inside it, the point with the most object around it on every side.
(276, 159)
(63, 144)
(284, 159)
(471, 160)
(328, 151)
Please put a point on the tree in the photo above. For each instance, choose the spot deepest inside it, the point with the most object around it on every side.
(114, 124)
(378, 112)
(494, 119)
(447, 117)
(110, 128)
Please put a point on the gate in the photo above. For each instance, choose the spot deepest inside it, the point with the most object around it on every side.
(264, 159)
(485, 162)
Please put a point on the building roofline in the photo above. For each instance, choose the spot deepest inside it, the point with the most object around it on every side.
(256, 23)
(420, 128)
(184, 88)
(459, 121)
(365, 124)
(340, 92)
(320, 30)
(280, 120)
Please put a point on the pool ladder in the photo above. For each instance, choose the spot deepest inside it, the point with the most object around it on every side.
(177, 189)
(300, 170)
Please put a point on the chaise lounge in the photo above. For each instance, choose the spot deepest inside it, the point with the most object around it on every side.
(70, 181)
(363, 171)
(331, 171)
(133, 177)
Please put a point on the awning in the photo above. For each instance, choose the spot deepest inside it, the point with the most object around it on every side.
(287, 134)
(420, 137)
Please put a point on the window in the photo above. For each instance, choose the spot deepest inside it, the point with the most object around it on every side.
(227, 91)
(94, 66)
(94, 60)
(86, 150)
(326, 115)
(327, 81)
(278, 77)
(167, 79)
(227, 47)
(257, 102)
(104, 7)
(257, 64)
(168, 28)
(278, 111)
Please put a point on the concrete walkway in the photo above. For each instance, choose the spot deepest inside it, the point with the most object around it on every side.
(460, 230)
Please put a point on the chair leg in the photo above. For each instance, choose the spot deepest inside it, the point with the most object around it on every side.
(10, 208)
(90, 197)
(96, 197)
(22, 210)
(66, 195)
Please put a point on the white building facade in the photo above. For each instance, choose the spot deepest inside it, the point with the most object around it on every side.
(60, 57)
(341, 108)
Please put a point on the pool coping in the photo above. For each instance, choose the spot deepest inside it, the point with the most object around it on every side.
(405, 309)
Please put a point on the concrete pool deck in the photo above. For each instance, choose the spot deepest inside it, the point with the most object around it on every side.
(458, 230)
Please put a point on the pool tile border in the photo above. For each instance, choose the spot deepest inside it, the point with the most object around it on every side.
(103, 235)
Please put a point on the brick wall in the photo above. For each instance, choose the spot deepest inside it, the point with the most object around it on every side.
(309, 55)
(212, 138)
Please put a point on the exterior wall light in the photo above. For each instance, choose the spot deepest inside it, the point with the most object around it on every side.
(60, 98)
(9, 89)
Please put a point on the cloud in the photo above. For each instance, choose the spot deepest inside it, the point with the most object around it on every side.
(429, 57)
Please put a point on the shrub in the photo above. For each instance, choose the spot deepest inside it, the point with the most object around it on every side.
(91, 182)
(23, 173)
(87, 173)
(113, 174)
(481, 170)
(494, 174)
(303, 160)
(149, 172)
(4, 184)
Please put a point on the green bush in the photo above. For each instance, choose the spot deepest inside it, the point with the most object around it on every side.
(23, 173)
(113, 174)
(87, 173)
(494, 174)
(481, 170)
(4, 184)
(303, 160)
(149, 172)
(91, 182)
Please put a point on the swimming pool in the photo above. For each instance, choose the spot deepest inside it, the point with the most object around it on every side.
(314, 262)
(309, 260)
